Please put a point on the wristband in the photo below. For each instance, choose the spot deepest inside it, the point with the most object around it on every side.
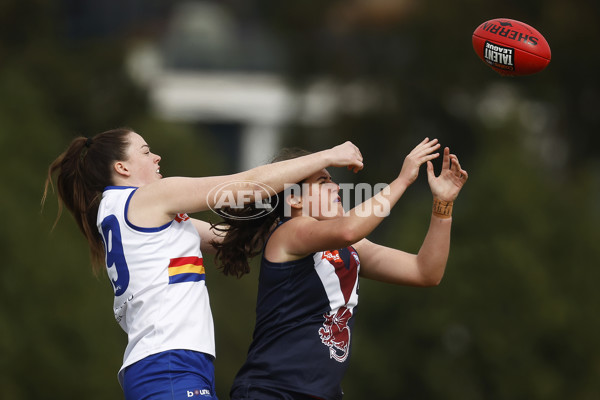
(442, 209)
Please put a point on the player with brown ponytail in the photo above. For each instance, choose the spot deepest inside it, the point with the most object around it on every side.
(85, 170)
(137, 225)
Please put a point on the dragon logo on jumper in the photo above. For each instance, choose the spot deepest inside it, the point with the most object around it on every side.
(335, 334)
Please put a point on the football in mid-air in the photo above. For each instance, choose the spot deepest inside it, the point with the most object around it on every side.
(510, 47)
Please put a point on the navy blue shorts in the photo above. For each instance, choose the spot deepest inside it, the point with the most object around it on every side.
(171, 375)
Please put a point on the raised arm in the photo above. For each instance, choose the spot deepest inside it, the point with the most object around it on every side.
(305, 235)
(427, 267)
(158, 202)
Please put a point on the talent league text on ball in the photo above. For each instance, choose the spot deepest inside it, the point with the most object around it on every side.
(499, 55)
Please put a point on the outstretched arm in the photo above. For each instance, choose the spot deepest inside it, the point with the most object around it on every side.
(157, 203)
(426, 268)
(304, 235)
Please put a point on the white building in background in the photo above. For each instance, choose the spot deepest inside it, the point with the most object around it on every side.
(210, 70)
(226, 75)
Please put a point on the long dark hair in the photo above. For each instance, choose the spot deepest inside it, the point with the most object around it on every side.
(245, 237)
(83, 170)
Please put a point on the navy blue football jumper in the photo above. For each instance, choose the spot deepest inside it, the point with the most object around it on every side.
(304, 320)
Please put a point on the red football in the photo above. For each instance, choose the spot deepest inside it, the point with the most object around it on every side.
(511, 47)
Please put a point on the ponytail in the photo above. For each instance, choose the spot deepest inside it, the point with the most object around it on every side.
(83, 170)
(244, 235)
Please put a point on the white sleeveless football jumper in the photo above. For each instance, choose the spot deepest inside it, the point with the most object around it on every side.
(161, 300)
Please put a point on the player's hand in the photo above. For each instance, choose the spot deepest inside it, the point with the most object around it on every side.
(452, 178)
(424, 152)
(346, 155)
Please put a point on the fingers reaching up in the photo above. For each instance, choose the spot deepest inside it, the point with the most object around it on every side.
(452, 177)
(422, 153)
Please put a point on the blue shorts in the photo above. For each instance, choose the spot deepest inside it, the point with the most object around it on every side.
(171, 375)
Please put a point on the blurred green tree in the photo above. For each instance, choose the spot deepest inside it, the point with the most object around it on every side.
(514, 316)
